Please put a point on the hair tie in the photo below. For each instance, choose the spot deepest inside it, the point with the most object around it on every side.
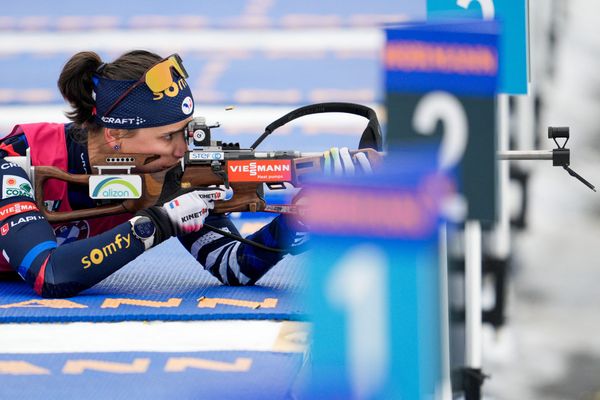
(100, 68)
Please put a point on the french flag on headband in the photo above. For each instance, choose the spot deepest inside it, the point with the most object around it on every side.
(174, 203)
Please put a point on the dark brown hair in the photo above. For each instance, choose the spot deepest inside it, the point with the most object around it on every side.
(76, 85)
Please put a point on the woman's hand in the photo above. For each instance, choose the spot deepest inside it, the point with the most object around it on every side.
(339, 162)
(184, 214)
(188, 211)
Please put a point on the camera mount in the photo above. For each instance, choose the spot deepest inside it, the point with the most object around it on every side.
(561, 156)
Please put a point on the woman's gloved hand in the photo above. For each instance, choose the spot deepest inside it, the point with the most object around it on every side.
(339, 162)
(184, 214)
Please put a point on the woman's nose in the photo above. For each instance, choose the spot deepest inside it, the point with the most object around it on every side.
(180, 147)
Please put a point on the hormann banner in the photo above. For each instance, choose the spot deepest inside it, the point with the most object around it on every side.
(458, 58)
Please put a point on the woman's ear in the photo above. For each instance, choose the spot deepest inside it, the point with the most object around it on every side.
(113, 138)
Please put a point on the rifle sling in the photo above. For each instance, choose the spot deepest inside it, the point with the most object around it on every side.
(292, 250)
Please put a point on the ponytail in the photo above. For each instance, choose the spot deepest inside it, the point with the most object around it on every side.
(76, 86)
(76, 80)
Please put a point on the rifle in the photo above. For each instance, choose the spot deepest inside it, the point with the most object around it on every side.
(206, 163)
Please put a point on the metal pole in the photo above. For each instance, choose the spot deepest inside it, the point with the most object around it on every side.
(445, 390)
(502, 230)
(473, 326)
(525, 155)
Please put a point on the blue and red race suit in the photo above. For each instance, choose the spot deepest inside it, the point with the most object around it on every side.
(60, 260)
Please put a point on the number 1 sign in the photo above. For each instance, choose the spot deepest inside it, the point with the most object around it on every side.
(374, 285)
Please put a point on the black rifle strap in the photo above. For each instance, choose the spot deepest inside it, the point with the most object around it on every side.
(371, 136)
(294, 250)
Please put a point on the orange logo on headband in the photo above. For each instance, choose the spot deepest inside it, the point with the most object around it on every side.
(171, 91)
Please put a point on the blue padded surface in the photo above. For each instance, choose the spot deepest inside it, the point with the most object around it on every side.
(256, 375)
(165, 283)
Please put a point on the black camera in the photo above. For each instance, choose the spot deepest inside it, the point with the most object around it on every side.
(558, 132)
(561, 156)
(197, 133)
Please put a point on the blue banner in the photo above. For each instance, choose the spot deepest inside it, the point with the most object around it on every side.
(512, 15)
(459, 58)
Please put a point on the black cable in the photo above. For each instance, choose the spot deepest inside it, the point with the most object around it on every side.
(579, 177)
(292, 250)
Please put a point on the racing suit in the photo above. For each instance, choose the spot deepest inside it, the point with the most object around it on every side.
(60, 260)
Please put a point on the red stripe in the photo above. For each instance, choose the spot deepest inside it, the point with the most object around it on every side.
(16, 208)
(39, 280)
(10, 150)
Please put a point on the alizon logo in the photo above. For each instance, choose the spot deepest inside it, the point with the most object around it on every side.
(115, 187)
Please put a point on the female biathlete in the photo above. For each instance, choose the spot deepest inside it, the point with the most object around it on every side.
(117, 107)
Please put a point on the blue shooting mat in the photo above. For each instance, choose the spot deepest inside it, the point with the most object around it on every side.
(166, 283)
(145, 375)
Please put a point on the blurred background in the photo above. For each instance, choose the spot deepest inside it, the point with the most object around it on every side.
(549, 347)
(267, 57)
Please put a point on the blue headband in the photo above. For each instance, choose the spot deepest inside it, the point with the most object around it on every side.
(141, 108)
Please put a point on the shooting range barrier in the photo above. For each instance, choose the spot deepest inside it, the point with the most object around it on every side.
(145, 375)
(165, 283)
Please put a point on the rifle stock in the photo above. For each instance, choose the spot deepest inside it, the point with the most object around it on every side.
(247, 196)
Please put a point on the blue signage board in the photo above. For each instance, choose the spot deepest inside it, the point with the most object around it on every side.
(512, 15)
(441, 79)
(374, 286)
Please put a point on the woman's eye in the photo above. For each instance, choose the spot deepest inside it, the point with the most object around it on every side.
(168, 137)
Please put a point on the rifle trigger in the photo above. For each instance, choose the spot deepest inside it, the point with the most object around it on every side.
(275, 185)
(217, 169)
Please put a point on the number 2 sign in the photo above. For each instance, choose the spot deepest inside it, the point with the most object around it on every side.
(440, 85)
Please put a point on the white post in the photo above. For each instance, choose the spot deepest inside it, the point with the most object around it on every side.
(502, 230)
(473, 323)
(526, 133)
(445, 389)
